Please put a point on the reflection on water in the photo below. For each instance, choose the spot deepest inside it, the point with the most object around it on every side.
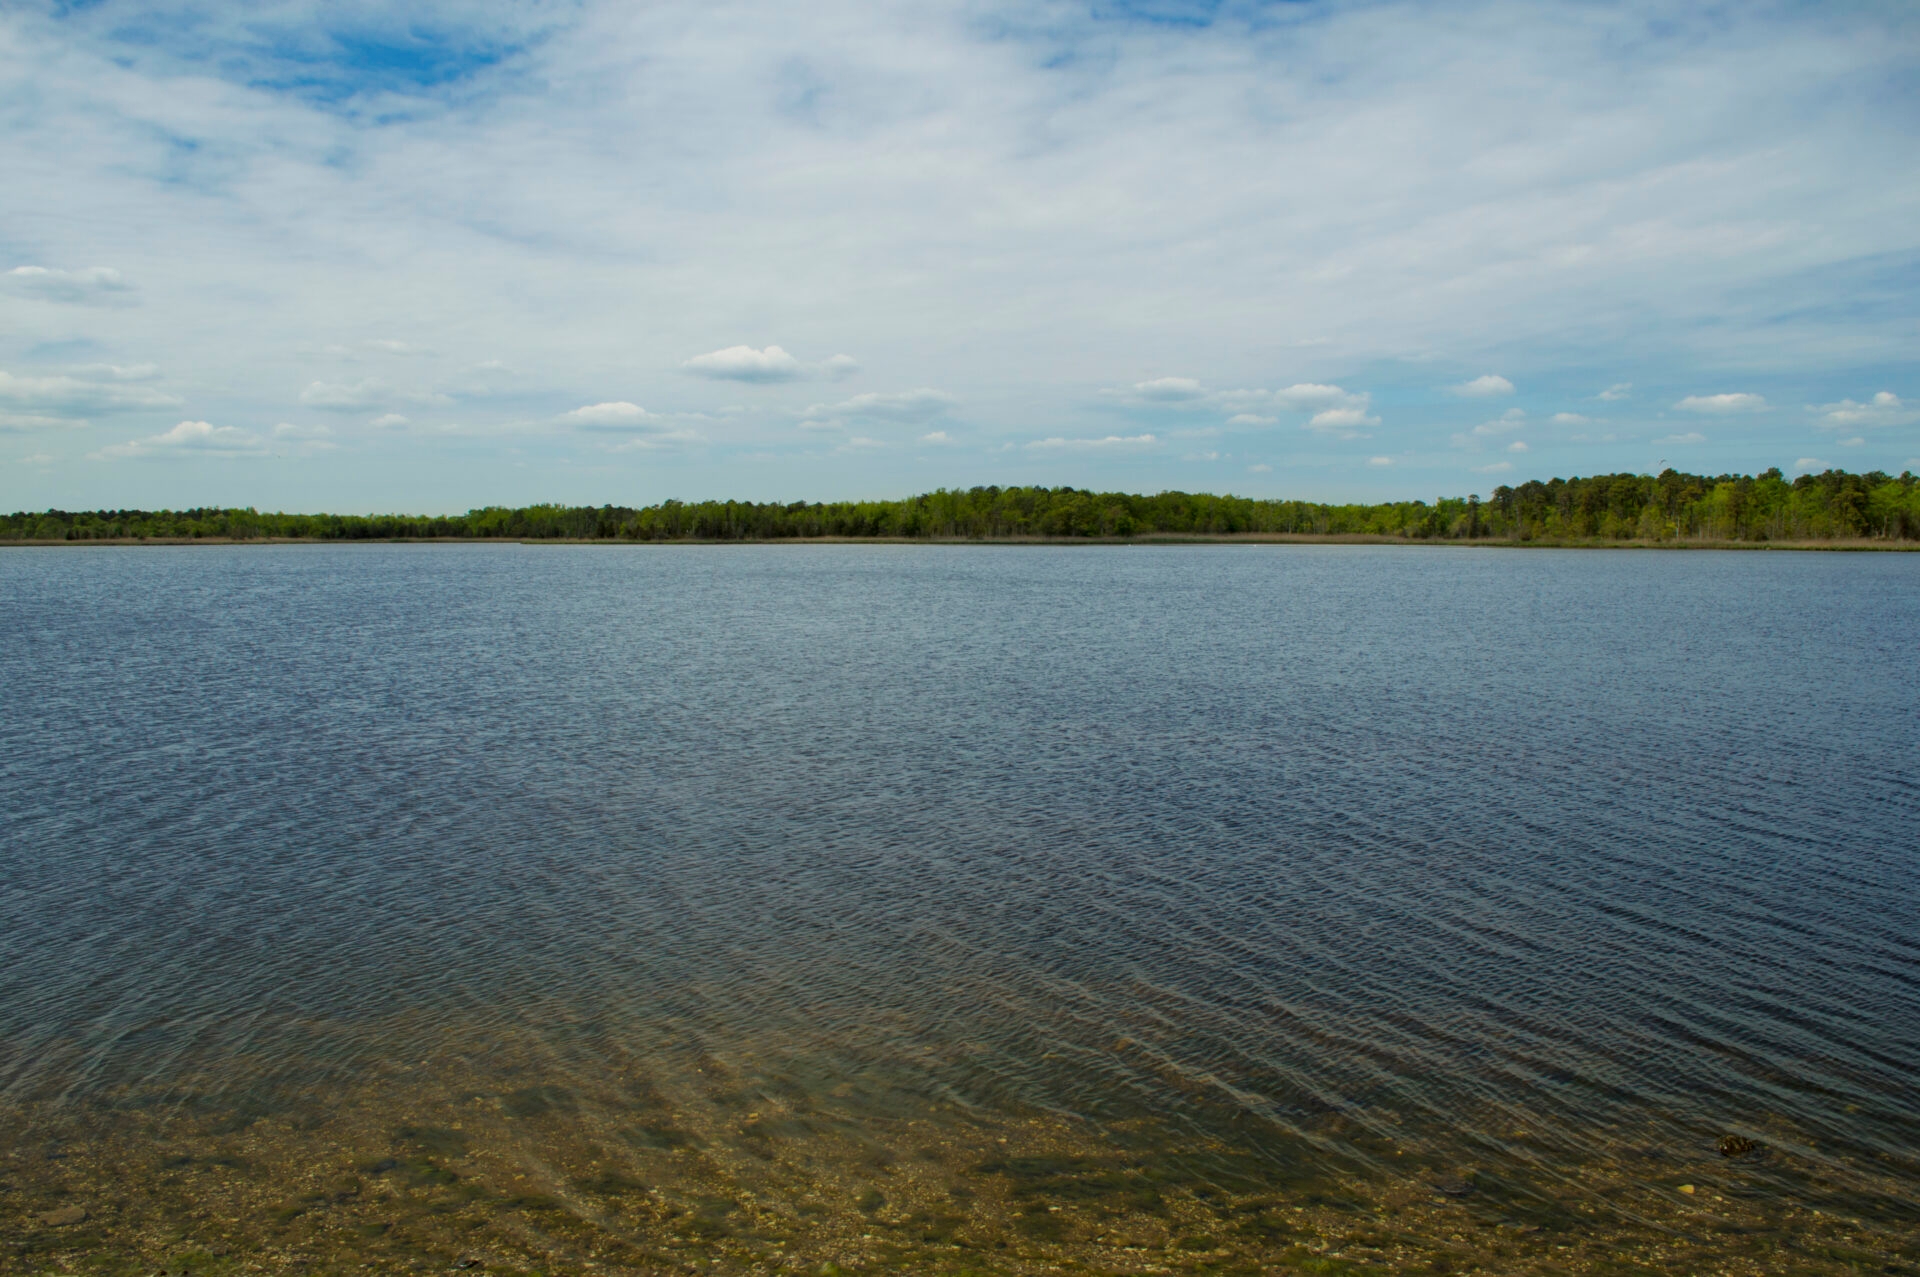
(958, 909)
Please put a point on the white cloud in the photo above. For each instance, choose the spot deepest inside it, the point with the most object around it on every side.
(744, 363)
(618, 415)
(1854, 442)
(908, 406)
(1692, 436)
(935, 436)
(1616, 392)
(1379, 461)
(1498, 467)
(94, 286)
(1343, 422)
(1505, 424)
(1809, 463)
(63, 395)
(339, 396)
(1121, 442)
(389, 421)
(1517, 446)
(1884, 409)
(1721, 403)
(1309, 396)
(1002, 209)
(189, 438)
(1167, 390)
(1250, 419)
(1486, 387)
(21, 421)
(1262, 468)
(1570, 419)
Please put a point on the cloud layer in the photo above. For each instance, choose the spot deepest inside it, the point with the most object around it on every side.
(471, 238)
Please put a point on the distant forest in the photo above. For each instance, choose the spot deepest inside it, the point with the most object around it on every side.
(1671, 507)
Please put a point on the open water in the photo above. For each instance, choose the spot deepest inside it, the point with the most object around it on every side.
(960, 908)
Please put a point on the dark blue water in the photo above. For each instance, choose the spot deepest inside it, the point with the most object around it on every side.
(1543, 858)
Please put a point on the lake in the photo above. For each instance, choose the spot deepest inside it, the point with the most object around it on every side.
(959, 908)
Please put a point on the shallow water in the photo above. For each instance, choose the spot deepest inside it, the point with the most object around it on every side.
(958, 908)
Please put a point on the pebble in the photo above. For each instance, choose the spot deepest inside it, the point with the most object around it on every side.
(64, 1216)
(1687, 1189)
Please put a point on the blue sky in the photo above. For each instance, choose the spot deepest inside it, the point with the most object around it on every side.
(356, 257)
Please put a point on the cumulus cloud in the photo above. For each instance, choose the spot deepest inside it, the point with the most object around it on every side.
(744, 363)
(1251, 419)
(188, 439)
(389, 421)
(935, 436)
(1114, 442)
(94, 286)
(1616, 392)
(1721, 404)
(1342, 422)
(1517, 446)
(617, 415)
(1380, 461)
(1570, 419)
(1692, 436)
(1809, 463)
(1261, 468)
(908, 407)
(1498, 467)
(1884, 409)
(1486, 387)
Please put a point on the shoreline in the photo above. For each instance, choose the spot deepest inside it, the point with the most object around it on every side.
(1855, 545)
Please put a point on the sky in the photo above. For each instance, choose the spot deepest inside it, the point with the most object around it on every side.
(426, 257)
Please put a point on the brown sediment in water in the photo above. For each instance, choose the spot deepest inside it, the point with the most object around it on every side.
(731, 1168)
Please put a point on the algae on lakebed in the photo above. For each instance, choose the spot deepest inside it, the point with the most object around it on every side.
(735, 1168)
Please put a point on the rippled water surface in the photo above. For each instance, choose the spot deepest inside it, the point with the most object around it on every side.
(959, 909)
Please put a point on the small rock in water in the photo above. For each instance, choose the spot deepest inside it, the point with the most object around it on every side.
(1736, 1146)
(468, 1262)
(64, 1216)
(1454, 1185)
(1687, 1189)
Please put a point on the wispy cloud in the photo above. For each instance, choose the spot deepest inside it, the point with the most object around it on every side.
(1108, 443)
(908, 406)
(93, 286)
(340, 396)
(1615, 393)
(64, 395)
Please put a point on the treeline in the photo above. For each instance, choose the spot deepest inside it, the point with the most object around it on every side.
(1618, 507)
